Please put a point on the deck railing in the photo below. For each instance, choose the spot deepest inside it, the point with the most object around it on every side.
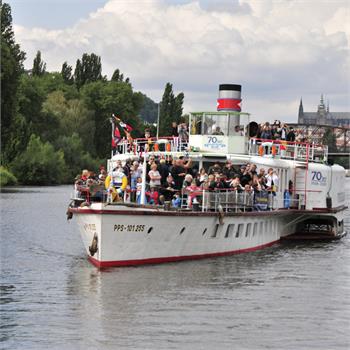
(153, 144)
(300, 151)
(223, 200)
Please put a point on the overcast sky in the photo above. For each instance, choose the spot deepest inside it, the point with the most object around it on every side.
(277, 50)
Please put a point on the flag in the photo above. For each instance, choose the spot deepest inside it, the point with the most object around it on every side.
(125, 126)
(116, 136)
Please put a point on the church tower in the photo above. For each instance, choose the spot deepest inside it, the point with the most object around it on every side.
(321, 111)
(301, 112)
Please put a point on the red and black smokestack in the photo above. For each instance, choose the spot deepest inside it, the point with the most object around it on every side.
(229, 97)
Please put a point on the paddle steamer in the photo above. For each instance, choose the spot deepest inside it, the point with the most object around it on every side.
(308, 203)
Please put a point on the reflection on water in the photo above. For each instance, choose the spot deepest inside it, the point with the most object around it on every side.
(290, 296)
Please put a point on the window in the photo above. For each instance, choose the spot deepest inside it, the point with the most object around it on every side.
(255, 229)
(229, 230)
(239, 230)
(215, 124)
(248, 229)
(215, 232)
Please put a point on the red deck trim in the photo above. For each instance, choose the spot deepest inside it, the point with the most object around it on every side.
(196, 213)
(120, 263)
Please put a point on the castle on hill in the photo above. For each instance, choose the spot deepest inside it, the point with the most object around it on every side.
(323, 116)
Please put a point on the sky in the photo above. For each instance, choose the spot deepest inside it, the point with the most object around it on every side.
(279, 51)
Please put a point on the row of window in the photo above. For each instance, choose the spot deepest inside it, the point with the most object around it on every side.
(245, 230)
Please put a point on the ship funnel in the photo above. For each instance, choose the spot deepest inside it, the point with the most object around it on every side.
(229, 97)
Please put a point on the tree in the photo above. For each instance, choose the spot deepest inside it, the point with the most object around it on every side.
(170, 110)
(105, 98)
(39, 66)
(40, 164)
(88, 69)
(66, 73)
(117, 76)
(149, 110)
(75, 155)
(330, 140)
(11, 68)
(72, 117)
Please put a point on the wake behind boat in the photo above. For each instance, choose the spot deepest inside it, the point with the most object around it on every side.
(224, 188)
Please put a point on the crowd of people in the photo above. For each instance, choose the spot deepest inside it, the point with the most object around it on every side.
(172, 180)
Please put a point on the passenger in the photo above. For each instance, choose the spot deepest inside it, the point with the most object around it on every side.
(291, 135)
(218, 131)
(161, 200)
(183, 133)
(216, 168)
(236, 184)
(154, 176)
(174, 129)
(271, 181)
(169, 189)
(193, 191)
(229, 170)
(118, 182)
(138, 190)
(252, 170)
(84, 175)
(202, 175)
(163, 169)
(187, 181)
(176, 201)
(211, 182)
(218, 182)
(178, 173)
(237, 131)
(152, 196)
(246, 177)
(135, 173)
(256, 184)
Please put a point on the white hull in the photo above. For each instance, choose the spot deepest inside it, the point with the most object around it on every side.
(132, 238)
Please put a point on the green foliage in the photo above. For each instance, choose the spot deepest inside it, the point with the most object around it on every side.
(6, 177)
(330, 140)
(106, 98)
(39, 66)
(40, 164)
(170, 110)
(88, 70)
(66, 73)
(11, 67)
(149, 110)
(72, 117)
(75, 155)
(56, 123)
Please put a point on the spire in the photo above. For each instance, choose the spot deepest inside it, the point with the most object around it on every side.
(301, 111)
(301, 108)
(321, 106)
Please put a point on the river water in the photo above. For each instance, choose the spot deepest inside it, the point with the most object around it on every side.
(289, 296)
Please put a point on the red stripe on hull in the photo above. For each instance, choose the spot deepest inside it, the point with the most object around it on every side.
(104, 264)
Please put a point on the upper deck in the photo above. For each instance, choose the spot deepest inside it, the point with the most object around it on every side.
(223, 133)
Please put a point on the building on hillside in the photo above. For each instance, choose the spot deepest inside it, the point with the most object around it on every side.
(323, 116)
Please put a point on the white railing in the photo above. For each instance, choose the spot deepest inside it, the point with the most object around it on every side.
(152, 144)
(300, 151)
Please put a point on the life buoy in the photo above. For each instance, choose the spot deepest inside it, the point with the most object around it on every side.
(273, 150)
(168, 147)
(156, 147)
(261, 151)
(124, 183)
(107, 182)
